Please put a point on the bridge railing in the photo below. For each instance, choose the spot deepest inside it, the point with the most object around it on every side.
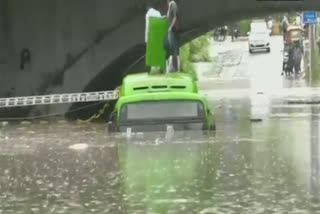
(59, 99)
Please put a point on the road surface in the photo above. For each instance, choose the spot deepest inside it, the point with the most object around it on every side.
(264, 157)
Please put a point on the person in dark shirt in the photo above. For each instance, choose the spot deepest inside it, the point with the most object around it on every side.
(284, 26)
(172, 36)
(290, 63)
(297, 57)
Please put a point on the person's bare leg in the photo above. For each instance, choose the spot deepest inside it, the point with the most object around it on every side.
(175, 63)
(169, 64)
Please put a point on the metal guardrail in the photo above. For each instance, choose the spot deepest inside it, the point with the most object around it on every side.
(58, 99)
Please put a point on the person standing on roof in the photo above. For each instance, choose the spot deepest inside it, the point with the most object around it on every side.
(172, 36)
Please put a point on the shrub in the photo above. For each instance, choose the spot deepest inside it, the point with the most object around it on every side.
(244, 27)
(199, 49)
(186, 65)
(195, 51)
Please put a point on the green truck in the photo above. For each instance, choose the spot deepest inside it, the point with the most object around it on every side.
(155, 102)
(152, 102)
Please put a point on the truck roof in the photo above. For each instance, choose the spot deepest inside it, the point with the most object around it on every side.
(160, 96)
(143, 83)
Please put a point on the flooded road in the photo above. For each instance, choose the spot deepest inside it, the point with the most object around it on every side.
(269, 165)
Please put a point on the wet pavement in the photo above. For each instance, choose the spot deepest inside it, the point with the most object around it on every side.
(264, 157)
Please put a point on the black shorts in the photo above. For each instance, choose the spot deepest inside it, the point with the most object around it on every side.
(172, 45)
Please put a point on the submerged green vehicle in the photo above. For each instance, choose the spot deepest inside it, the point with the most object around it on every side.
(155, 102)
(152, 102)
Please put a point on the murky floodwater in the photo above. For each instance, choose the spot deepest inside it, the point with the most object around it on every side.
(268, 167)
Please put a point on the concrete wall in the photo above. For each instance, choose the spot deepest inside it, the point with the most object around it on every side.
(70, 42)
(57, 32)
(73, 41)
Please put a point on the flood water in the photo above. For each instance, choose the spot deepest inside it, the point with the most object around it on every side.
(246, 167)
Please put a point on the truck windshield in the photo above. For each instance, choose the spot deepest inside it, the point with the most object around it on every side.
(162, 110)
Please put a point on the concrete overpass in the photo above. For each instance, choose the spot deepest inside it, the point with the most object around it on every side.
(88, 45)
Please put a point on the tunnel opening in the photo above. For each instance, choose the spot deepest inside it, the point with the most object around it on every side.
(133, 60)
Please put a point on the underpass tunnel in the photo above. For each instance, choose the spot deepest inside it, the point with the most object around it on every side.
(62, 47)
(133, 61)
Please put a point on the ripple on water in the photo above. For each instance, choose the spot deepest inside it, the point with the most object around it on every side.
(221, 175)
(79, 146)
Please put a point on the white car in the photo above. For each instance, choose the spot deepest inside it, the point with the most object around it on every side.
(259, 37)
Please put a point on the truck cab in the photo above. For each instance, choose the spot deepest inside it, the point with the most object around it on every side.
(150, 102)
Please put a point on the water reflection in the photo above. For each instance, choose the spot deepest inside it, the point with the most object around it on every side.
(184, 177)
(156, 179)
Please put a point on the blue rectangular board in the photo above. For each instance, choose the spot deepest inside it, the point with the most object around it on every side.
(310, 17)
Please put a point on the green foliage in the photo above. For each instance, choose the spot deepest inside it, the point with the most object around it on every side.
(199, 49)
(195, 51)
(244, 27)
(186, 65)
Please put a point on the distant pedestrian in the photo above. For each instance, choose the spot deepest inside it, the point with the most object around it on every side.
(270, 25)
(306, 30)
(298, 19)
(297, 57)
(290, 63)
(284, 26)
(234, 31)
